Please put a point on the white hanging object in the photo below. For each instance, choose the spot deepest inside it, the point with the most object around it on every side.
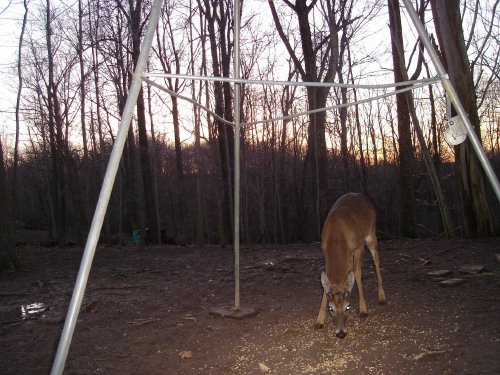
(456, 133)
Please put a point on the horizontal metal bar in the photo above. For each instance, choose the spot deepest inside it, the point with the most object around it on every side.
(385, 95)
(290, 83)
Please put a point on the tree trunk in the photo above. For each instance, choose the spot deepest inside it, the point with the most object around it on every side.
(220, 48)
(436, 141)
(83, 219)
(96, 123)
(406, 156)
(197, 124)
(8, 258)
(476, 215)
(344, 154)
(154, 167)
(171, 63)
(56, 139)
(362, 163)
(443, 207)
(314, 180)
(133, 192)
(18, 109)
(152, 218)
(363, 180)
(287, 100)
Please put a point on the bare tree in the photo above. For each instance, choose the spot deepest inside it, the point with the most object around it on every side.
(169, 51)
(218, 16)
(315, 65)
(8, 258)
(283, 173)
(406, 155)
(484, 47)
(136, 26)
(18, 108)
(476, 216)
(83, 121)
(56, 135)
(197, 124)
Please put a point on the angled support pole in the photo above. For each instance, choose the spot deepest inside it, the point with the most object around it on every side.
(107, 187)
(452, 94)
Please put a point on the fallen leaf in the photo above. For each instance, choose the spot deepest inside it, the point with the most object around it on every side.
(472, 269)
(186, 354)
(140, 322)
(427, 353)
(440, 273)
(452, 282)
(189, 317)
(425, 262)
(263, 367)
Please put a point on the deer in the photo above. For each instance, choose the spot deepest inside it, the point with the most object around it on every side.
(350, 225)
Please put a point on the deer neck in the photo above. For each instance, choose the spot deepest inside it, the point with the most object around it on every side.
(339, 263)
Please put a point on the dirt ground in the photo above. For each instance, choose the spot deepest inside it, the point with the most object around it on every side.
(147, 311)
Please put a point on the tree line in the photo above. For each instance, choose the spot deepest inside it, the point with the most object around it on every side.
(176, 176)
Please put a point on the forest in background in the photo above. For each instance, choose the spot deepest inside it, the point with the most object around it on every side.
(176, 175)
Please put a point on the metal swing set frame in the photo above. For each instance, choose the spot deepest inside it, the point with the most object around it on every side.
(116, 154)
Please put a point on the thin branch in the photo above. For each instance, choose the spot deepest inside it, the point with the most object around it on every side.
(283, 37)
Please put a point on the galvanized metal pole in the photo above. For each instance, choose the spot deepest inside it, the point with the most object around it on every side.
(102, 204)
(237, 125)
(453, 96)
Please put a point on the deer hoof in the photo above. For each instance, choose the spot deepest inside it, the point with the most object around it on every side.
(318, 325)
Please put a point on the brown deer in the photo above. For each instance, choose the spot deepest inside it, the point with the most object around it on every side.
(349, 225)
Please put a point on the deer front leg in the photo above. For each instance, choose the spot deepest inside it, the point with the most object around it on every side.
(357, 273)
(320, 320)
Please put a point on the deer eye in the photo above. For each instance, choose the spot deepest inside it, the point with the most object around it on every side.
(348, 307)
(330, 309)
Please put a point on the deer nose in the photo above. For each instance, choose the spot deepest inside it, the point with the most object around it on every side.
(341, 334)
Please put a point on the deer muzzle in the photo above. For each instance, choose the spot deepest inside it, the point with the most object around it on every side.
(339, 319)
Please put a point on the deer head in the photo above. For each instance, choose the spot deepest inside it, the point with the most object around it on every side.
(338, 301)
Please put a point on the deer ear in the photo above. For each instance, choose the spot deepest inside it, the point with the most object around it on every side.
(325, 281)
(350, 282)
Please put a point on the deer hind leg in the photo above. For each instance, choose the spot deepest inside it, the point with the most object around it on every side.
(358, 253)
(371, 243)
(320, 320)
